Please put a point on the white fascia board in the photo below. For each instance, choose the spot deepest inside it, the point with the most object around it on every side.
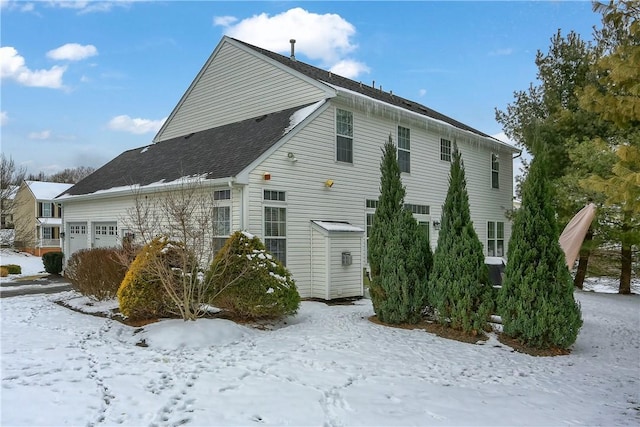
(155, 187)
(243, 175)
(488, 140)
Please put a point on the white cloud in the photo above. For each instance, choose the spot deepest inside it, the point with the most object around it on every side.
(326, 38)
(125, 123)
(83, 6)
(224, 21)
(422, 92)
(4, 118)
(12, 66)
(42, 135)
(72, 52)
(349, 68)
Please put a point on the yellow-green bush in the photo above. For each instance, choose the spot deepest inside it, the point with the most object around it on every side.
(141, 295)
(264, 289)
(13, 268)
(4, 271)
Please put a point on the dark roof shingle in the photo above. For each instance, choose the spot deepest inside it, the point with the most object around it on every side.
(220, 152)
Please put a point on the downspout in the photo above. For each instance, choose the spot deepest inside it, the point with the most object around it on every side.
(311, 261)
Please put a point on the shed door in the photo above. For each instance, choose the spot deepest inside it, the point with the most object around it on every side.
(105, 234)
(77, 236)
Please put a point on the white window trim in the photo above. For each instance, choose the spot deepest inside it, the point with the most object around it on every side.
(406, 150)
(336, 135)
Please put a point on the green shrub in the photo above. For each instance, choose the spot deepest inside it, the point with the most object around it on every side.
(53, 262)
(97, 273)
(459, 288)
(399, 251)
(249, 282)
(13, 268)
(141, 294)
(536, 300)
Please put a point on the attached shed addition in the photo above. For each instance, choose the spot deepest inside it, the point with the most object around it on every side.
(336, 260)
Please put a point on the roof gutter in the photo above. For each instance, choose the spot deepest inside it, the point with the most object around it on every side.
(150, 189)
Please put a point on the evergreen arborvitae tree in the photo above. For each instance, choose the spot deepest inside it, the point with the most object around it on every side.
(459, 287)
(399, 253)
(536, 299)
(390, 204)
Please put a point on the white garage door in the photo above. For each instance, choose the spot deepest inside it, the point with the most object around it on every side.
(77, 236)
(105, 234)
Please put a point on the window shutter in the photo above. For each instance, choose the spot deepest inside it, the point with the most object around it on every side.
(40, 209)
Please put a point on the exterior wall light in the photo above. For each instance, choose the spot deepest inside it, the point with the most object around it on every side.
(436, 225)
(328, 183)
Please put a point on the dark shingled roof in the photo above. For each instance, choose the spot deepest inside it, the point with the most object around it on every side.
(325, 76)
(219, 153)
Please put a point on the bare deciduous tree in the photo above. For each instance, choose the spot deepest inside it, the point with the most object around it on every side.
(187, 219)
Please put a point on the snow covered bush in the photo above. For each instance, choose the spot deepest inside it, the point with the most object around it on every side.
(459, 286)
(96, 273)
(141, 294)
(249, 282)
(536, 300)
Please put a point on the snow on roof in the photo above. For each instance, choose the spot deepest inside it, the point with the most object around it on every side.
(338, 226)
(302, 114)
(185, 180)
(47, 190)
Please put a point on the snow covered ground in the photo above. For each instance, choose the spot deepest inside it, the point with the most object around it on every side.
(326, 366)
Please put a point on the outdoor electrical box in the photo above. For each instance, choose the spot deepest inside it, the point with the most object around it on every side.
(346, 258)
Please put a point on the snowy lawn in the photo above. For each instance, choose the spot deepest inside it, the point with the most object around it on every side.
(31, 265)
(327, 366)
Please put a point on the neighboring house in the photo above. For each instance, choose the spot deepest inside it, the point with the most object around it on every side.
(6, 217)
(292, 154)
(38, 217)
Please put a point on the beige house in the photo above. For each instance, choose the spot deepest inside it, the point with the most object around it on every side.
(37, 217)
(291, 153)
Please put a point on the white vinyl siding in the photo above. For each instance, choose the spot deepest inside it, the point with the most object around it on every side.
(309, 199)
(225, 93)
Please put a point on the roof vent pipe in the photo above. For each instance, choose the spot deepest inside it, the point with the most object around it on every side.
(293, 49)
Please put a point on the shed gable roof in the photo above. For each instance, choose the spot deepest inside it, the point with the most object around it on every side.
(221, 152)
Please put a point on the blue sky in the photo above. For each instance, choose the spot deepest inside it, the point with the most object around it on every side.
(84, 81)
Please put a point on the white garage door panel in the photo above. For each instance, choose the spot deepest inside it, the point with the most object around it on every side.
(105, 234)
(77, 236)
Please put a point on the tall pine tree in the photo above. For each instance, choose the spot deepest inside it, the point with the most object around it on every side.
(459, 287)
(399, 253)
(536, 299)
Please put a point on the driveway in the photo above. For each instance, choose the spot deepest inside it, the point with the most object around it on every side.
(46, 284)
